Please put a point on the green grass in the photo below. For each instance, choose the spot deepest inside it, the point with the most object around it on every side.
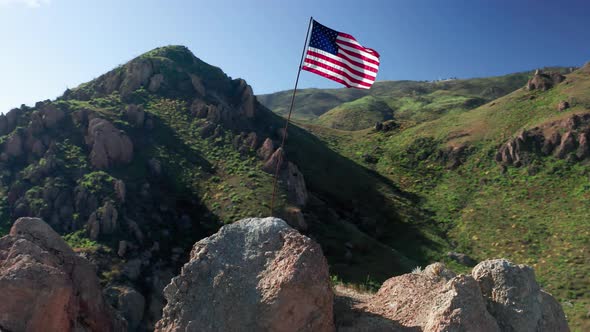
(414, 101)
(78, 240)
(358, 114)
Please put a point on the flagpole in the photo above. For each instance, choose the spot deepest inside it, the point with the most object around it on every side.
(280, 161)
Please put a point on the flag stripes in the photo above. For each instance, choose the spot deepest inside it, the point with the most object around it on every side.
(340, 57)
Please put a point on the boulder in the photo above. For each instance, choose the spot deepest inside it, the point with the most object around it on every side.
(563, 105)
(135, 115)
(199, 108)
(515, 299)
(129, 302)
(583, 151)
(276, 160)
(253, 275)
(567, 146)
(46, 286)
(110, 146)
(296, 185)
(137, 73)
(8, 121)
(51, 116)
(155, 82)
(266, 150)
(433, 300)
(14, 145)
(103, 221)
(544, 81)
(551, 143)
(247, 99)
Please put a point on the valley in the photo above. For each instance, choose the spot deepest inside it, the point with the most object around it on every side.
(533, 212)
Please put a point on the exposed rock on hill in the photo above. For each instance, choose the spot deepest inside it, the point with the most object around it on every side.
(253, 275)
(110, 146)
(45, 286)
(544, 81)
(434, 300)
(498, 296)
(515, 299)
(547, 140)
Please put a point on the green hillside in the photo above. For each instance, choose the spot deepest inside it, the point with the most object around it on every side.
(411, 101)
(535, 214)
(358, 114)
(165, 149)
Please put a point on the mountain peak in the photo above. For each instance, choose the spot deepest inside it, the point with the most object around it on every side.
(173, 71)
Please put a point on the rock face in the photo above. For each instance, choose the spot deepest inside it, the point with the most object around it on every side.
(276, 160)
(515, 299)
(434, 300)
(46, 287)
(254, 275)
(110, 145)
(135, 115)
(498, 296)
(544, 81)
(296, 185)
(546, 140)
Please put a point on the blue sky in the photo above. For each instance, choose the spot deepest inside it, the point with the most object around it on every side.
(49, 45)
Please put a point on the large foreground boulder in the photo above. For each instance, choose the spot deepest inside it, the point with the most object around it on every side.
(253, 275)
(515, 299)
(46, 287)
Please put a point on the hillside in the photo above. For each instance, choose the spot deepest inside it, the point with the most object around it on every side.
(134, 166)
(509, 178)
(407, 101)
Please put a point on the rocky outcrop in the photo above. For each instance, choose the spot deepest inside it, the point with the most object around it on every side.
(563, 105)
(254, 275)
(266, 150)
(296, 185)
(45, 286)
(110, 146)
(247, 101)
(434, 300)
(497, 296)
(544, 81)
(515, 299)
(546, 140)
(103, 221)
(276, 160)
(129, 302)
(135, 115)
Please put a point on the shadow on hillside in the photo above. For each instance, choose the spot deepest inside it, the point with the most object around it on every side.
(369, 201)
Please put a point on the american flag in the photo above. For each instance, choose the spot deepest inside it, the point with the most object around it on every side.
(339, 57)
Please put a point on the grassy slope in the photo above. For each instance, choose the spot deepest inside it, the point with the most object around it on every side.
(387, 232)
(411, 100)
(358, 114)
(537, 216)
